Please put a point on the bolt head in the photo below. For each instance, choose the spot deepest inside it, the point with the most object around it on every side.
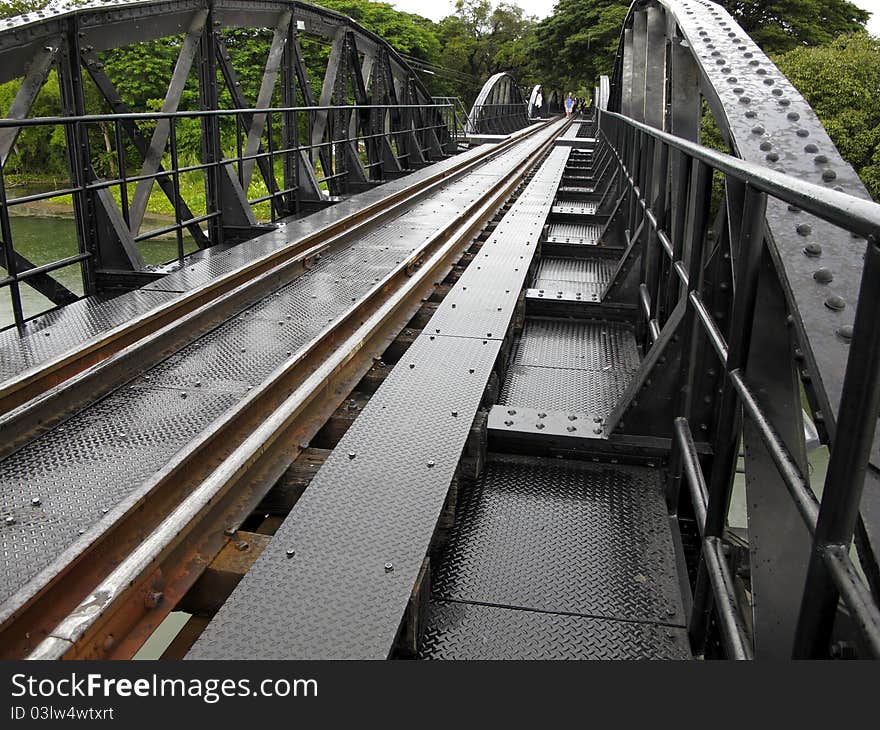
(389, 567)
(36, 501)
(290, 552)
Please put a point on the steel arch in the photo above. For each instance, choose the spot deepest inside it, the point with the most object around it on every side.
(397, 130)
(499, 107)
(674, 55)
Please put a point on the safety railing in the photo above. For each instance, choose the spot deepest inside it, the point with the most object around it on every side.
(298, 167)
(454, 115)
(498, 118)
(666, 196)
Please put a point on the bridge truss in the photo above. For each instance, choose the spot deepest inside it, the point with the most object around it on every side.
(301, 143)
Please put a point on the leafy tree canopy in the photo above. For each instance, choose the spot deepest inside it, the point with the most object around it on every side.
(841, 82)
(782, 25)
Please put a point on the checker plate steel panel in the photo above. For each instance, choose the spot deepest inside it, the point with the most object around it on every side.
(564, 389)
(87, 466)
(567, 291)
(468, 631)
(594, 345)
(564, 537)
(575, 207)
(575, 271)
(587, 234)
(334, 597)
(57, 332)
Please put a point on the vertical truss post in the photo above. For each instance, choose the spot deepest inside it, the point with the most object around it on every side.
(78, 154)
(627, 73)
(779, 542)
(290, 122)
(690, 220)
(727, 436)
(212, 152)
(850, 451)
(639, 64)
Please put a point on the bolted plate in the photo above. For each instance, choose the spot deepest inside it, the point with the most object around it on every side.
(537, 423)
(564, 537)
(469, 631)
(375, 501)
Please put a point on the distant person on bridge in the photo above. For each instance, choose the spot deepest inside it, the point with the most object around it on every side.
(569, 105)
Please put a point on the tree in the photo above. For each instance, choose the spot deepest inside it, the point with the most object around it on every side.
(480, 40)
(11, 8)
(841, 82)
(778, 26)
(577, 44)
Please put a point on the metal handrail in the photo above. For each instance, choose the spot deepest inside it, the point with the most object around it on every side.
(431, 120)
(831, 523)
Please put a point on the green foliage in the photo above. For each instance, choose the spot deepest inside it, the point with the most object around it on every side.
(567, 51)
(841, 82)
(578, 42)
(782, 25)
(11, 8)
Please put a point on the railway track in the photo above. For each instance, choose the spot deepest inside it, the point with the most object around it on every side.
(37, 397)
(102, 593)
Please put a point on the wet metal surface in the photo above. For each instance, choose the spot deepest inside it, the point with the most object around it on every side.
(587, 540)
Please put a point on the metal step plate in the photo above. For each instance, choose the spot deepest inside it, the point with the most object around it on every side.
(565, 206)
(602, 346)
(586, 234)
(568, 274)
(469, 631)
(571, 366)
(564, 537)
(579, 279)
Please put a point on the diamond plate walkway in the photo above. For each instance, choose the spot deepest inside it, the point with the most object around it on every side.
(558, 560)
(547, 559)
(61, 491)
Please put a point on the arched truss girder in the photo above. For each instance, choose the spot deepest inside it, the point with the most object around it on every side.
(543, 102)
(673, 56)
(602, 93)
(693, 50)
(500, 107)
(361, 66)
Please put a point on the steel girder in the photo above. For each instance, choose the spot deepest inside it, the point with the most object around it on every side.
(362, 68)
(673, 56)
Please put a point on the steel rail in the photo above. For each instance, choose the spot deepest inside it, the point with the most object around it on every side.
(165, 534)
(27, 399)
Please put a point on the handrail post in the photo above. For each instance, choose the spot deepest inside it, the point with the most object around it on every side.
(727, 436)
(859, 409)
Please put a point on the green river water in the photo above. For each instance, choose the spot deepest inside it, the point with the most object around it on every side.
(42, 239)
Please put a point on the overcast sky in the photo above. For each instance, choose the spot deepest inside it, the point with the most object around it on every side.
(437, 9)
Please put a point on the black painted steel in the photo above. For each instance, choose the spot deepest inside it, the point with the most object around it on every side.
(570, 538)
(395, 124)
(362, 530)
(470, 631)
(89, 470)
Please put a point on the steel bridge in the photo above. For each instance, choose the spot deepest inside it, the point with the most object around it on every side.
(433, 385)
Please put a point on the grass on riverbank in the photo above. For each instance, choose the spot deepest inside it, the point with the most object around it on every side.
(192, 190)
